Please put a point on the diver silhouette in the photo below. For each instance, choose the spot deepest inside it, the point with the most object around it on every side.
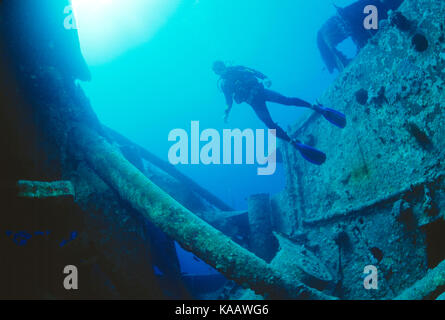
(242, 84)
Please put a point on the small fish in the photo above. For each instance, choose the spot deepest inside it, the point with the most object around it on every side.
(21, 238)
(73, 235)
(157, 271)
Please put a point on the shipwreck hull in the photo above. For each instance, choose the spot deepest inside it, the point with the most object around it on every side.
(115, 249)
(380, 196)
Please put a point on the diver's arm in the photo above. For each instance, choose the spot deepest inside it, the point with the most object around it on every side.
(229, 103)
(229, 100)
(226, 114)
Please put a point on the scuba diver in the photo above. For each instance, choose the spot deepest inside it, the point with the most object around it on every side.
(242, 84)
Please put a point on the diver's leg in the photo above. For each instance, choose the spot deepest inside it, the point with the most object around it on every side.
(335, 117)
(263, 114)
(276, 97)
(310, 154)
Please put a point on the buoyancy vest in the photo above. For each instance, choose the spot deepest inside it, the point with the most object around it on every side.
(243, 83)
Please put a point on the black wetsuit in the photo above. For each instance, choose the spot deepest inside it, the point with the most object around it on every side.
(241, 84)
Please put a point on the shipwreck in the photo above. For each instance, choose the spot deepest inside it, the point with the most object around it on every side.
(75, 192)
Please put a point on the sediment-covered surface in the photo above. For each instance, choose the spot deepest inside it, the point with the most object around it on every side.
(379, 198)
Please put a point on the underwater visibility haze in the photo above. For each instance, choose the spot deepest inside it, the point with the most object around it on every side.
(160, 60)
(163, 79)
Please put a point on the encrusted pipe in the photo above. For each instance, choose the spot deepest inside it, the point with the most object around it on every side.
(192, 233)
(426, 286)
(42, 190)
(261, 240)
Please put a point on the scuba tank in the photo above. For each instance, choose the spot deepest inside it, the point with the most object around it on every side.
(246, 85)
(246, 91)
(245, 82)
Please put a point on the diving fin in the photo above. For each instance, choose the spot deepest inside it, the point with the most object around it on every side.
(333, 116)
(310, 154)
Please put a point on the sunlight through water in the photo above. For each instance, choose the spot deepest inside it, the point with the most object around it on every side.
(108, 28)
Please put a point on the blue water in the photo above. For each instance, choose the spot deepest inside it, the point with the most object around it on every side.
(146, 84)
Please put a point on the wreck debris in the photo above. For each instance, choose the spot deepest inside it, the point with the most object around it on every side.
(376, 253)
(429, 206)
(424, 288)
(42, 190)
(362, 96)
(404, 214)
(298, 262)
(171, 170)
(421, 137)
(441, 297)
(379, 97)
(262, 242)
(69, 59)
(195, 235)
(398, 20)
(343, 240)
(420, 42)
